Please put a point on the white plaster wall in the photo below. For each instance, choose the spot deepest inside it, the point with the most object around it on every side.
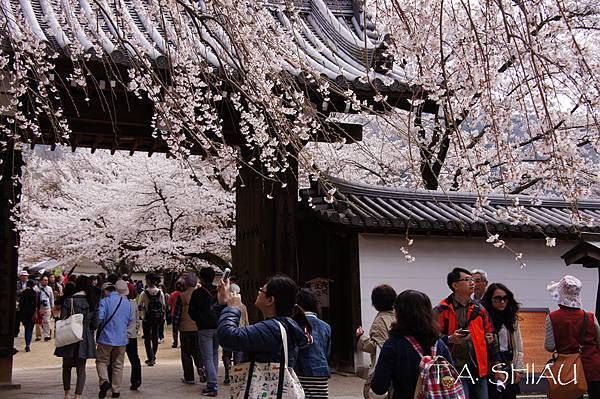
(381, 261)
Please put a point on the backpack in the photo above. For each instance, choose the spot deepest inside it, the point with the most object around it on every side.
(154, 310)
(214, 304)
(438, 379)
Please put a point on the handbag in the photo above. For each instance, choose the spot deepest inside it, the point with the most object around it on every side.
(69, 330)
(568, 368)
(266, 380)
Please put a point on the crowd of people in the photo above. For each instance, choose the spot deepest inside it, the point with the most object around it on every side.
(475, 329)
(115, 309)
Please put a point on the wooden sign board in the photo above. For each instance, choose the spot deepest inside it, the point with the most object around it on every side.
(533, 331)
(320, 287)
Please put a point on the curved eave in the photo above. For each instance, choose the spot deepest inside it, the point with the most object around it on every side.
(331, 39)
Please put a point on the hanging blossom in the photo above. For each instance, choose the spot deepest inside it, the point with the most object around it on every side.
(517, 90)
(506, 95)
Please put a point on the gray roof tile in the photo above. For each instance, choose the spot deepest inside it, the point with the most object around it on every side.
(332, 36)
(377, 209)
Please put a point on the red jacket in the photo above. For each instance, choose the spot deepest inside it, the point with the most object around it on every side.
(479, 324)
(566, 326)
(173, 300)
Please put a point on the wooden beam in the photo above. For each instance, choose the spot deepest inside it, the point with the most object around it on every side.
(134, 146)
(348, 131)
(74, 141)
(152, 149)
(95, 144)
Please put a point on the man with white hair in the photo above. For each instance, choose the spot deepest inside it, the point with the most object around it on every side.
(481, 283)
(131, 349)
(114, 318)
(46, 304)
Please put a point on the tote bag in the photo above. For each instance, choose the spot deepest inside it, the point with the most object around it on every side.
(266, 380)
(567, 365)
(69, 330)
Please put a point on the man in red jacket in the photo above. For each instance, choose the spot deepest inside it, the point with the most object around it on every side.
(466, 329)
(179, 287)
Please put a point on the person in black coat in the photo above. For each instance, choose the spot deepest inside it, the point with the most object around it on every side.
(277, 302)
(76, 355)
(28, 305)
(203, 311)
(398, 363)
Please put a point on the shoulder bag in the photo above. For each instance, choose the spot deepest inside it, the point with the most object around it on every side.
(266, 380)
(568, 368)
(99, 331)
(69, 330)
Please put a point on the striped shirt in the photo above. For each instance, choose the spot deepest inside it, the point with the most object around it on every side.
(315, 387)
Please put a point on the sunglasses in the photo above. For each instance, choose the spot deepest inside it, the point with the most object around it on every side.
(500, 299)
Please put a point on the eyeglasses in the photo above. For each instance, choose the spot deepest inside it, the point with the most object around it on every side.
(468, 280)
(500, 299)
(480, 280)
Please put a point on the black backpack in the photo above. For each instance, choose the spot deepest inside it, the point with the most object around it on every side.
(154, 311)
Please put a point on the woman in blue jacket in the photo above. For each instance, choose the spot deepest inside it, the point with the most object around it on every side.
(398, 363)
(312, 366)
(277, 302)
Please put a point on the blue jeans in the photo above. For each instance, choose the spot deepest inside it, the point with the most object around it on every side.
(28, 331)
(209, 348)
(479, 390)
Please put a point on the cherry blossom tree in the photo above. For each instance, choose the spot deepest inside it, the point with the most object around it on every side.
(126, 211)
(504, 94)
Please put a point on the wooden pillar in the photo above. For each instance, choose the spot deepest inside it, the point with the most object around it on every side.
(265, 231)
(598, 297)
(10, 192)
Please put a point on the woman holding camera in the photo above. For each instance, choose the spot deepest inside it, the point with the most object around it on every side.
(262, 341)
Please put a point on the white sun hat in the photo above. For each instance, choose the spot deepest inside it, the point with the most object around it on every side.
(567, 291)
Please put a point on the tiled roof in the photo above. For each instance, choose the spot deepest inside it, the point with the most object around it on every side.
(332, 36)
(380, 209)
